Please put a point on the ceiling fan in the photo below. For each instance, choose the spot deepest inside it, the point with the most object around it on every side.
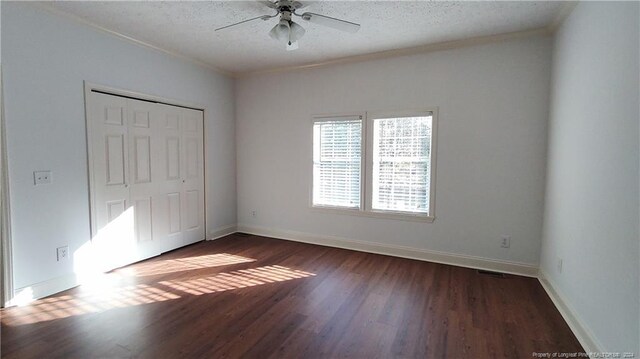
(286, 30)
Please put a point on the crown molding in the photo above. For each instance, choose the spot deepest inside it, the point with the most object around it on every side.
(49, 8)
(562, 15)
(440, 46)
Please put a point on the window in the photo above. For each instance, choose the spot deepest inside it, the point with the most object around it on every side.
(401, 164)
(381, 166)
(337, 162)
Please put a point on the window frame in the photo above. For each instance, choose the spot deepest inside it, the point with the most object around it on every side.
(339, 117)
(429, 216)
(366, 169)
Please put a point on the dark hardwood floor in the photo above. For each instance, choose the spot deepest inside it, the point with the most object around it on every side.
(249, 296)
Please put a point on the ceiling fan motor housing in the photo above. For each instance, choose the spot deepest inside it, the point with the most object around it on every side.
(288, 5)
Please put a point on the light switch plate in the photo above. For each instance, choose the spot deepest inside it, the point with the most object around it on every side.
(41, 177)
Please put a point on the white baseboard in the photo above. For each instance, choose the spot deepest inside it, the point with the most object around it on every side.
(222, 231)
(580, 330)
(460, 260)
(40, 290)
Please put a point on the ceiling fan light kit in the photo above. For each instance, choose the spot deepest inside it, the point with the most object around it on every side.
(288, 31)
(280, 32)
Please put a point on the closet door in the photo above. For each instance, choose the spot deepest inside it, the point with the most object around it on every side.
(169, 177)
(144, 180)
(147, 178)
(192, 176)
(112, 226)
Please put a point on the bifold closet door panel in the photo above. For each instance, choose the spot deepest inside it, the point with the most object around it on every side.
(144, 175)
(169, 177)
(193, 222)
(112, 228)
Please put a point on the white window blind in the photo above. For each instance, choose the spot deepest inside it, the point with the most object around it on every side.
(337, 150)
(402, 164)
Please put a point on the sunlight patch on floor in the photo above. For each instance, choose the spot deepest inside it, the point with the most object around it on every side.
(236, 279)
(84, 303)
(184, 264)
(88, 300)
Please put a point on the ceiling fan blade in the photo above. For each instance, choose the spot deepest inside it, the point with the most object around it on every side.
(268, 3)
(332, 22)
(263, 17)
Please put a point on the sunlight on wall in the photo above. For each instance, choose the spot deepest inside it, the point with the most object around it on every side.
(23, 297)
(113, 246)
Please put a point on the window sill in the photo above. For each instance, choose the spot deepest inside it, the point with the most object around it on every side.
(374, 214)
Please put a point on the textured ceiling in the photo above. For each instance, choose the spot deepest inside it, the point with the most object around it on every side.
(187, 27)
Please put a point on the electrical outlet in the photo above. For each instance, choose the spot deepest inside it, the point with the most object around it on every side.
(62, 253)
(505, 241)
(559, 265)
(41, 177)
(253, 213)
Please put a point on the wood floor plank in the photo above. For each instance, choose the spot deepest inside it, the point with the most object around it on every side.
(256, 297)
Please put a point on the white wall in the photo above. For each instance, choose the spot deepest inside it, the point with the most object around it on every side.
(591, 215)
(493, 107)
(45, 58)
